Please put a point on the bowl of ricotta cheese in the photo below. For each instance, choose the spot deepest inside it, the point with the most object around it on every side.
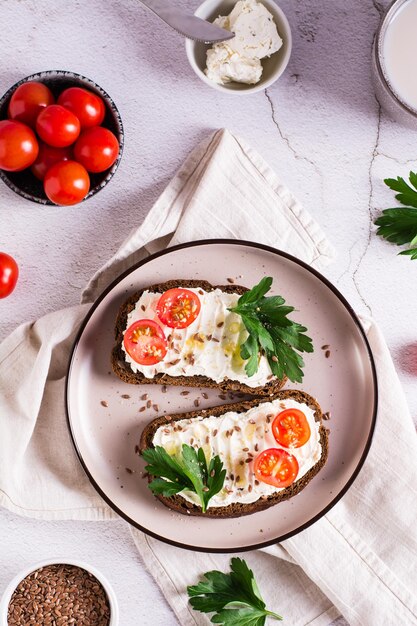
(256, 56)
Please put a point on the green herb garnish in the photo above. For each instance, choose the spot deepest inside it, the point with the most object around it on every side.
(270, 331)
(189, 471)
(234, 598)
(399, 225)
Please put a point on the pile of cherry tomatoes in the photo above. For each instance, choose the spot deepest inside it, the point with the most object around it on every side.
(60, 141)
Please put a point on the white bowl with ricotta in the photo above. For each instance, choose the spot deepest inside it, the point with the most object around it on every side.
(242, 64)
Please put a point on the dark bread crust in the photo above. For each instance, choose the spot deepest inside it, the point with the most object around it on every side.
(122, 369)
(177, 503)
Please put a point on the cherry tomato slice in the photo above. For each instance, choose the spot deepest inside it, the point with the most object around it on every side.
(145, 342)
(88, 107)
(276, 467)
(18, 146)
(97, 149)
(57, 126)
(9, 273)
(28, 101)
(47, 157)
(66, 182)
(178, 308)
(291, 428)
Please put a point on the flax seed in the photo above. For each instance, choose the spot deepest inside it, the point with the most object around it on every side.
(104, 403)
(57, 595)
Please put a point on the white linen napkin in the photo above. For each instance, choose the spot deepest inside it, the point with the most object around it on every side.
(360, 560)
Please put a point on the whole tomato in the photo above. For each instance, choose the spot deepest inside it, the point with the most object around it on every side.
(88, 107)
(9, 273)
(57, 126)
(66, 182)
(97, 149)
(48, 156)
(28, 101)
(18, 146)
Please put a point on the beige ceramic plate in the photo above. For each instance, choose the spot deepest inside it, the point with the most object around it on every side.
(105, 421)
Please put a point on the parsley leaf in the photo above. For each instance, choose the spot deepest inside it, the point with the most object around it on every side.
(399, 225)
(187, 471)
(234, 598)
(271, 332)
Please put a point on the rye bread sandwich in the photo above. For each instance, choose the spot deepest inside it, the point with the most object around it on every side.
(242, 457)
(190, 333)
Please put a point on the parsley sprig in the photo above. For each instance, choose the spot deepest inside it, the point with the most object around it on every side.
(399, 225)
(234, 598)
(189, 471)
(270, 331)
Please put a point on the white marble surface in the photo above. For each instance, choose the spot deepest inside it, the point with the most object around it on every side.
(319, 126)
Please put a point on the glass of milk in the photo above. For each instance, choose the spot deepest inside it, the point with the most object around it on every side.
(394, 62)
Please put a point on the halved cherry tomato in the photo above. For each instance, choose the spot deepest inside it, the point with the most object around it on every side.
(18, 146)
(9, 273)
(57, 126)
(47, 157)
(88, 107)
(145, 342)
(276, 467)
(291, 428)
(28, 101)
(178, 308)
(66, 183)
(97, 149)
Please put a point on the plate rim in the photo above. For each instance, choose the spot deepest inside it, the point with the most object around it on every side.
(277, 252)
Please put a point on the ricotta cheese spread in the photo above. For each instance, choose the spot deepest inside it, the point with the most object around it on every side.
(210, 346)
(237, 437)
(256, 37)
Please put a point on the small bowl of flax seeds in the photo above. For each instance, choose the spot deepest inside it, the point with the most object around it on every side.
(57, 593)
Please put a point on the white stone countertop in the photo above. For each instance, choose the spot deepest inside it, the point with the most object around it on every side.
(319, 127)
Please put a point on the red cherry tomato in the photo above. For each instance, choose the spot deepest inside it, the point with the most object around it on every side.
(276, 467)
(57, 126)
(48, 156)
(9, 273)
(28, 101)
(145, 342)
(88, 107)
(97, 149)
(178, 308)
(291, 428)
(18, 146)
(66, 182)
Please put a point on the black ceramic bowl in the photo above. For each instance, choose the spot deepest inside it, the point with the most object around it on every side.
(25, 183)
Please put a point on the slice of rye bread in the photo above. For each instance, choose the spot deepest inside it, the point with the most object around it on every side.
(124, 371)
(177, 503)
